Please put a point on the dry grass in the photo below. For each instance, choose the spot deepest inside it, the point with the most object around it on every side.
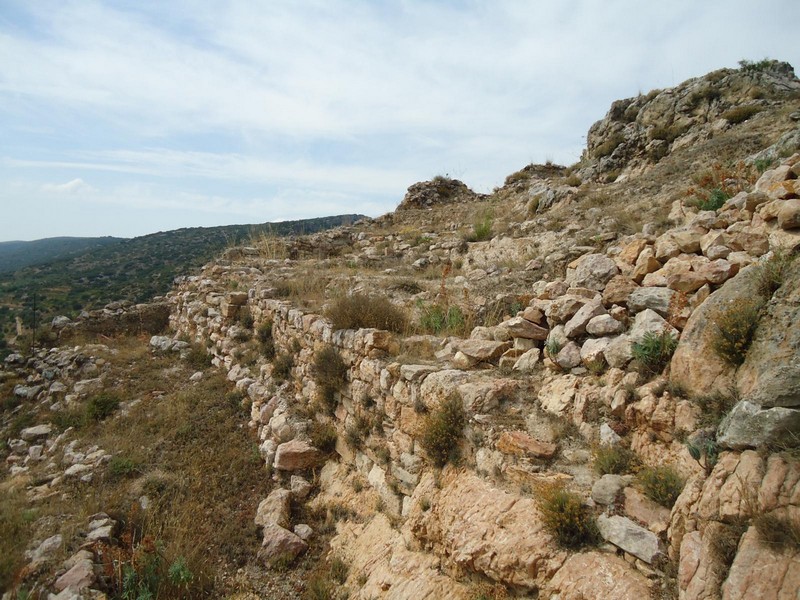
(356, 311)
(185, 449)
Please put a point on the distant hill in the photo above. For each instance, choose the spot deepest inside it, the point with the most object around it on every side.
(110, 269)
(16, 255)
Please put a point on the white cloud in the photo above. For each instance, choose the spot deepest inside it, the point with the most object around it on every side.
(72, 187)
(330, 104)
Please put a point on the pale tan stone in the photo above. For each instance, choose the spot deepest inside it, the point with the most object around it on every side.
(591, 575)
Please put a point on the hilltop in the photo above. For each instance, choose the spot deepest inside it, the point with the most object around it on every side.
(582, 385)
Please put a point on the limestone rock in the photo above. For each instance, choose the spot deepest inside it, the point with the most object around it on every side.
(520, 443)
(592, 271)
(712, 373)
(789, 214)
(576, 326)
(629, 536)
(81, 575)
(597, 575)
(604, 325)
(618, 289)
(750, 426)
(36, 432)
(644, 510)
(520, 327)
(762, 379)
(654, 298)
(296, 455)
(483, 350)
(557, 395)
(569, 356)
(275, 508)
(280, 544)
(527, 362)
(491, 532)
(606, 489)
(759, 572)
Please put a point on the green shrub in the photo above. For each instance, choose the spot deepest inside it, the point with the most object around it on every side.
(762, 164)
(437, 319)
(566, 517)
(654, 352)
(120, 467)
(740, 114)
(282, 366)
(715, 200)
(101, 406)
(661, 484)
(323, 436)
(356, 311)
(442, 431)
(756, 66)
(482, 229)
(615, 460)
(734, 329)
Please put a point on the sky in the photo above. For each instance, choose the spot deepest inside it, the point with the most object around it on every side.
(131, 117)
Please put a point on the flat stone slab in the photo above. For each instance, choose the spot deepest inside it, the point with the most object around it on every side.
(629, 536)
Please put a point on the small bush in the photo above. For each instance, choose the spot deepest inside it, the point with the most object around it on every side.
(607, 148)
(330, 374)
(319, 587)
(199, 358)
(715, 200)
(715, 406)
(482, 229)
(772, 272)
(661, 484)
(101, 406)
(442, 430)
(120, 467)
(734, 329)
(566, 517)
(265, 340)
(762, 164)
(740, 114)
(668, 133)
(339, 570)
(437, 319)
(654, 352)
(615, 460)
(282, 366)
(356, 311)
(323, 436)
(780, 532)
(756, 66)
(573, 181)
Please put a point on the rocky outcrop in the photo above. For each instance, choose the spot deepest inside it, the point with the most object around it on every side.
(440, 190)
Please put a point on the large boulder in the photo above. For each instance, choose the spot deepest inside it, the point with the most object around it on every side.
(770, 374)
(597, 575)
(592, 271)
(695, 366)
(491, 532)
(750, 426)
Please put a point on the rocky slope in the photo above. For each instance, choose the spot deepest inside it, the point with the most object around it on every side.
(590, 390)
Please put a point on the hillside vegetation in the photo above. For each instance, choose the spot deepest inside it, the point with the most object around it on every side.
(110, 269)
